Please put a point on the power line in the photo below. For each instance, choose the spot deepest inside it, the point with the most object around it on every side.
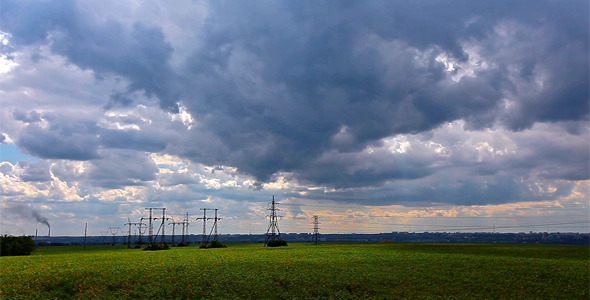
(443, 225)
(336, 214)
(473, 227)
(467, 217)
(518, 226)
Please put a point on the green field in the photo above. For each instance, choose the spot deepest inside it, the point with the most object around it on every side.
(301, 270)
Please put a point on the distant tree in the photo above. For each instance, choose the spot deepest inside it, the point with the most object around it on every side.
(16, 245)
(216, 244)
(156, 246)
(277, 243)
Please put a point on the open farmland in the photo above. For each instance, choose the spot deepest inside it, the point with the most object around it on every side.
(332, 270)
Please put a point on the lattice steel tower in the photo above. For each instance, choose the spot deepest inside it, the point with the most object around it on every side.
(185, 224)
(129, 223)
(150, 224)
(204, 218)
(214, 228)
(114, 231)
(316, 230)
(273, 232)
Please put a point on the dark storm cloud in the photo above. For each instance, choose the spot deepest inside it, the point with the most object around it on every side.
(549, 153)
(109, 172)
(49, 144)
(66, 137)
(139, 53)
(548, 73)
(79, 137)
(37, 171)
(564, 156)
(176, 178)
(346, 170)
(132, 139)
(442, 188)
(305, 87)
(278, 95)
(27, 117)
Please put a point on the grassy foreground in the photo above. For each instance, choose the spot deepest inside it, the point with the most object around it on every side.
(332, 270)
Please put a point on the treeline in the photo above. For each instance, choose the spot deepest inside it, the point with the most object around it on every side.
(16, 245)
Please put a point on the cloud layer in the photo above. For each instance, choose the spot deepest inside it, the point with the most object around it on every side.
(375, 103)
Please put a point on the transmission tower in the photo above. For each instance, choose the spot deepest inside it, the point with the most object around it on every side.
(173, 229)
(185, 225)
(316, 230)
(129, 223)
(204, 218)
(114, 231)
(150, 228)
(129, 232)
(273, 232)
(150, 225)
(104, 235)
(141, 230)
(214, 228)
(162, 226)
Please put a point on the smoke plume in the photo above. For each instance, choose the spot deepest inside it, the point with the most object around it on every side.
(27, 212)
(41, 219)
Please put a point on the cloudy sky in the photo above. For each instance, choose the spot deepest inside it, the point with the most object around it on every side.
(377, 116)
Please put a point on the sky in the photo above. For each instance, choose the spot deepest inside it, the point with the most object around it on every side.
(376, 116)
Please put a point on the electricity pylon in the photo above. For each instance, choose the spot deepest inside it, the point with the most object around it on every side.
(316, 230)
(150, 226)
(141, 230)
(273, 232)
(185, 225)
(204, 218)
(114, 231)
(104, 235)
(214, 228)
(162, 226)
(129, 223)
(173, 229)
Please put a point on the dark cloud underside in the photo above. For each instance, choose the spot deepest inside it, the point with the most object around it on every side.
(308, 87)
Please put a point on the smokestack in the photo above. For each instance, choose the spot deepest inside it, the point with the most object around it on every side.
(41, 219)
(27, 212)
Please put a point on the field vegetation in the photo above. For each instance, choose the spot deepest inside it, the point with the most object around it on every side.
(301, 270)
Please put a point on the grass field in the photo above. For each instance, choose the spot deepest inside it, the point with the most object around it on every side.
(301, 270)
